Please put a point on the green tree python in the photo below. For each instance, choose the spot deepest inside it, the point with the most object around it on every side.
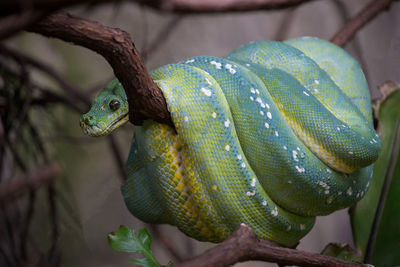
(271, 136)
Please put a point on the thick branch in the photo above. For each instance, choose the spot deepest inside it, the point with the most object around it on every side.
(243, 245)
(145, 98)
(30, 180)
(357, 22)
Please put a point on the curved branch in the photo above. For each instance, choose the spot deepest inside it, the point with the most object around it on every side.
(185, 6)
(348, 31)
(212, 6)
(145, 98)
(243, 245)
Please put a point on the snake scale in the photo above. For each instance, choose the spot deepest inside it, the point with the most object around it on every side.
(271, 136)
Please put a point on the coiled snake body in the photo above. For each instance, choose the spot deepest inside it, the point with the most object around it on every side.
(272, 135)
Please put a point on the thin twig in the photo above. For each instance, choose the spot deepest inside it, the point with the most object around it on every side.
(165, 243)
(243, 245)
(357, 22)
(162, 36)
(64, 84)
(29, 180)
(19, 21)
(186, 6)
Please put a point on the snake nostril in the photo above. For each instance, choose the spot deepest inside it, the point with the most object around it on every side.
(88, 120)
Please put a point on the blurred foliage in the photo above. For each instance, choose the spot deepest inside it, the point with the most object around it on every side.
(126, 240)
(375, 219)
(342, 251)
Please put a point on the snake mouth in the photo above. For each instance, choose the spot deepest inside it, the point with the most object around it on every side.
(97, 130)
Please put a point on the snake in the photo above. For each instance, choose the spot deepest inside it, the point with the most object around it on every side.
(270, 136)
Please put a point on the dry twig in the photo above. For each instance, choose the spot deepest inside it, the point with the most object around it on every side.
(30, 180)
(357, 22)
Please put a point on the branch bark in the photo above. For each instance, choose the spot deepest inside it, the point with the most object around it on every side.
(344, 35)
(243, 245)
(145, 98)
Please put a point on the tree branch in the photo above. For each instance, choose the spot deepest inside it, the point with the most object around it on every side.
(145, 98)
(243, 245)
(212, 6)
(19, 21)
(30, 180)
(182, 6)
(348, 31)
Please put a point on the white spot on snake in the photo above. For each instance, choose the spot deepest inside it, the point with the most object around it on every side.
(290, 181)
(298, 148)
(186, 118)
(227, 148)
(253, 182)
(251, 98)
(274, 212)
(208, 81)
(269, 115)
(276, 133)
(304, 92)
(338, 128)
(285, 147)
(289, 228)
(326, 192)
(294, 155)
(189, 61)
(239, 157)
(264, 203)
(302, 227)
(266, 125)
(229, 67)
(351, 152)
(328, 170)
(252, 90)
(206, 91)
(214, 115)
(227, 123)
(262, 105)
(217, 64)
(258, 100)
(300, 169)
(257, 92)
(267, 105)
(349, 191)
(316, 81)
(250, 193)
(243, 165)
(248, 65)
(261, 112)
(316, 90)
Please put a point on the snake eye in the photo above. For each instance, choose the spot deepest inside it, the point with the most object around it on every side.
(114, 105)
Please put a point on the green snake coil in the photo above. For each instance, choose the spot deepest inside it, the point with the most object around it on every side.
(271, 136)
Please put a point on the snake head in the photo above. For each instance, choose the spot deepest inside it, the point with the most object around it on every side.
(109, 110)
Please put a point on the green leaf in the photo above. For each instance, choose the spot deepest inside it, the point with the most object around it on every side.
(342, 251)
(376, 218)
(141, 262)
(126, 240)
